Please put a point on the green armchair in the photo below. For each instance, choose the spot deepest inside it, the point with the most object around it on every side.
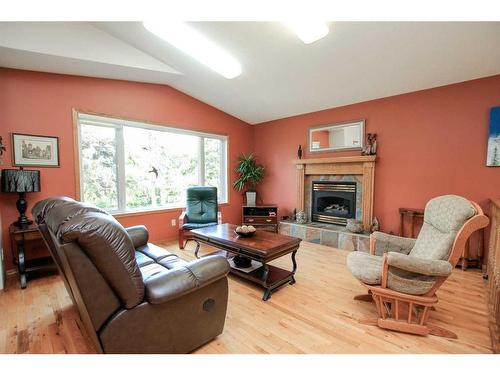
(201, 211)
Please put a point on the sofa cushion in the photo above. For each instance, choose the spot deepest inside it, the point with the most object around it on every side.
(41, 208)
(62, 213)
(160, 256)
(154, 252)
(142, 259)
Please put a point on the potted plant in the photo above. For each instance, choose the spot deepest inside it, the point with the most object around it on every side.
(249, 174)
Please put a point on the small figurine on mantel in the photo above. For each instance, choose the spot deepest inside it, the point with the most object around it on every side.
(2, 149)
(371, 144)
(299, 152)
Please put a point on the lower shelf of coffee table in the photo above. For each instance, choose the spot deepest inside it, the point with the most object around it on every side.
(276, 276)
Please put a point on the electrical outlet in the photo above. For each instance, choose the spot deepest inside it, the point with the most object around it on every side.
(174, 222)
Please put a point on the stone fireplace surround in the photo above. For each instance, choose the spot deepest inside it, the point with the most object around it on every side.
(360, 169)
(348, 168)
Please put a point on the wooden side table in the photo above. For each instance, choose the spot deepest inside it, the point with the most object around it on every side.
(19, 237)
(263, 216)
(412, 213)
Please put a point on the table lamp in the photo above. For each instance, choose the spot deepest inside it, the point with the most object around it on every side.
(21, 181)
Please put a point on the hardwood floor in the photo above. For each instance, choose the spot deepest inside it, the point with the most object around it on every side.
(316, 315)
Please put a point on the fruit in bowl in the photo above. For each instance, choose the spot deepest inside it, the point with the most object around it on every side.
(245, 230)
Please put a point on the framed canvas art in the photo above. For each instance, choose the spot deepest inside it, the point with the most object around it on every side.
(493, 157)
(35, 150)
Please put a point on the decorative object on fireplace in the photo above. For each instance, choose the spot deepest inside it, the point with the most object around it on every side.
(354, 226)
(333, 201)
(371, 144)
(2, 147)
(301, 217)
(299, 152)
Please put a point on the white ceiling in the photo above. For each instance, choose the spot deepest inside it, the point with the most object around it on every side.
(282, 76)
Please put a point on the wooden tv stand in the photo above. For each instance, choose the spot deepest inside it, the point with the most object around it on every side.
(261, 216)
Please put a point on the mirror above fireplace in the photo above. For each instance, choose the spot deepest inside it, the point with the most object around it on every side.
(337, 137)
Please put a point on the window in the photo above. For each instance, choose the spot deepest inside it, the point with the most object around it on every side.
(128, 165)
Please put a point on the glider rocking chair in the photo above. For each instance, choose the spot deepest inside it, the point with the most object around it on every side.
(403, 274)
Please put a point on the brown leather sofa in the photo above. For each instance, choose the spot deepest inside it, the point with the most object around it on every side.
(132, 296)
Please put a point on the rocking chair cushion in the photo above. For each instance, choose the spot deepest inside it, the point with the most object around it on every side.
(365, 267)
(409, 282)
(443, 217)
(386, 242)
(368, 269)
(428, 267)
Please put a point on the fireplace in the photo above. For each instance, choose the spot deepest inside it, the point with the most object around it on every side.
(333, 201)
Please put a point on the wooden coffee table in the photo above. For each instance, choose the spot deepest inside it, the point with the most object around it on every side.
(263, 247)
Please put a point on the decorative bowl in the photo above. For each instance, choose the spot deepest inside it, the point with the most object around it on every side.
(245, 234)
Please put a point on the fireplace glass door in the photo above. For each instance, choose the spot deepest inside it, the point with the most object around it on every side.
(333, 202)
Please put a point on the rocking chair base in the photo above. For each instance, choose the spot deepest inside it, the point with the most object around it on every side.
(416, 329)
(364, 297)
(398, 325)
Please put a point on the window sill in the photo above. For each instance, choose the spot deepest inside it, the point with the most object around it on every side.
(153, 211)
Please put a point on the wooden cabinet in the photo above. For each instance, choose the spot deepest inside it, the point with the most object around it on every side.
(264, 216)
(493, 270)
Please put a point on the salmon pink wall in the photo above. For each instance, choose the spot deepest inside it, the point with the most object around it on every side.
(42, 103)
(430, 142)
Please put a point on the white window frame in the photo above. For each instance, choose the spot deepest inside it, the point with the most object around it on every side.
(83, 118)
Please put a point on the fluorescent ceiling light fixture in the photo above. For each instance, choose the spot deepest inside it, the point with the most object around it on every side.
(309, 31)
(196, 45)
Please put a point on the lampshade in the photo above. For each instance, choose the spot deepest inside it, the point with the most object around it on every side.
(20, 181)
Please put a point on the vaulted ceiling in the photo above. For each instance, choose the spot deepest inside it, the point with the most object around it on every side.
(282, 77)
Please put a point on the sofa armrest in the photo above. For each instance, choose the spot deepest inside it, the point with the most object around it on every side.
(385, 243)
(139, 235)
(177, 282)
(429, 267)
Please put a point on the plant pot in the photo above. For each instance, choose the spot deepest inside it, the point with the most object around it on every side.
(251, 198)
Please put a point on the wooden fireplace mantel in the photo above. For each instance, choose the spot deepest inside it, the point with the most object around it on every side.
(340, 159)
(352, 165)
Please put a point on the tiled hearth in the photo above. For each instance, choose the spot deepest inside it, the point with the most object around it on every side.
(327, 234)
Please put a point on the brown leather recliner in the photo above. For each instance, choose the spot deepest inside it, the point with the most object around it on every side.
(132, 296)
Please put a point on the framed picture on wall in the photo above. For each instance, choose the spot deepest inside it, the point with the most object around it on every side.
(493, 157)
(29, 150)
